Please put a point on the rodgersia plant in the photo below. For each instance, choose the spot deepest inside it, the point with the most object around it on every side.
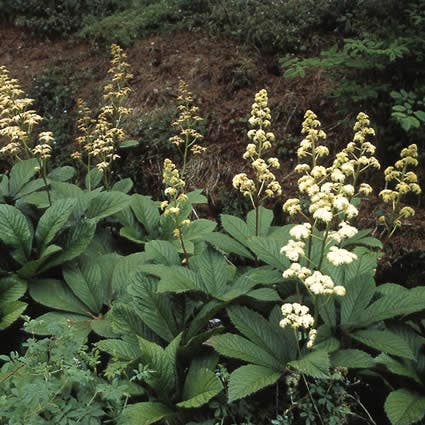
(188, 136)
(262, 184)
(101, 136)
(403, 180)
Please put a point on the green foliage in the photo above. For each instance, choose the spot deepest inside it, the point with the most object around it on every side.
(56, 381)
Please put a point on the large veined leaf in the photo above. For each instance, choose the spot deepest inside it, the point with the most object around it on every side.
(162, 252)
(154, 309)
(163, 362)
(12, 288)
(125, 270)
(10, 312)
(145, 413)
(261, 332)
(315, 364)
(359, 292)
(393, 305)
(384, 340)
(404, 407)
(30, 268)
(402, 368)
(227, 244)
(30, 187)
(177, 279)
(62, 174)
(249, 379)
(268, 250)
(197, 229)
(56, 294)
(123, 349)
(200, 386)
(76, 243)
(22, 172)
(53, 220)
(105, 204)
(85, 281)
(236, 228)
(15, 232)
(238, 347)
(93, 178)
(265, 218)
(352, 359)
(212, 272)
(146, 212)
(123, 185)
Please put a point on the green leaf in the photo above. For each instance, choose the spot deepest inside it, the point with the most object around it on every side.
(53, 220)
(404, 407)
(386, 341)
(177, 279)
(31, 268)
(145, 413)
(353, 359)
(249, 379)
(15, 232)
(12, 288)
(236, 228)
(238, 347)
(315, 364)
(123, 185)
(397, 367)
(268, 250)
(51, 321)
(129, 144)
(264, 294)
(22, 172)
(93, 178)
(197, 229)
(62, 174)
(199, 388)
(105, 204)
(76, 243)
(212, 271)
(265, 218)
(227, 244)
(55, 294)
(85, 281)
(10, 312)
(127, 349)
(162, 252)
(154, 309)
(420, 115)
(261, 332)
(146, 212)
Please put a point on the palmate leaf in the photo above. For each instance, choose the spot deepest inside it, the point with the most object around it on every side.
(56, 294)
(315, 364)
(392, 305)
(198, 229)
(176, 279)
(355, 359)
(225, 243)
(200, 386)
(265, 218)
(162, 252)
(146, 211)
(268, 250)
(236, 228)
(15, 232)
(85, 281)
(384, 340)
(123, 349)
(145, 413)
(10, 312)
(156, 310)
(238, 347)
(404, 407)
(53, 220)
(76, 243)
(105, 204)
(212, 272)
(22, 172)
(260, 331)
(249, 379)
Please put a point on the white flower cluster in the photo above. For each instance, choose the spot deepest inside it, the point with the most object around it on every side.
(264, 185)
(298, 316)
